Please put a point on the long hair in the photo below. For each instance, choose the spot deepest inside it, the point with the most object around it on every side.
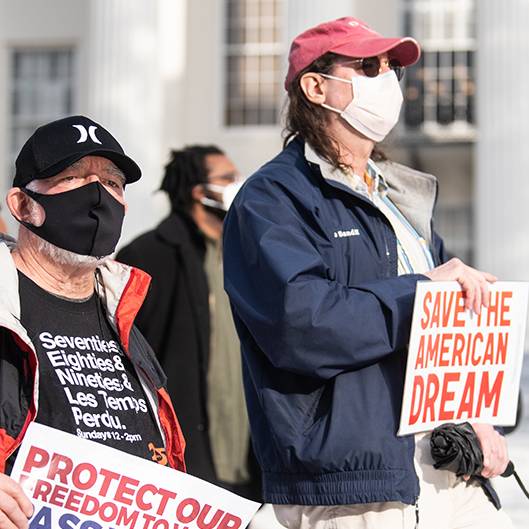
(310, 121)
(186, 169)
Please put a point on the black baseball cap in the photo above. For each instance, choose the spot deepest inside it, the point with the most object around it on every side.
(57, 145)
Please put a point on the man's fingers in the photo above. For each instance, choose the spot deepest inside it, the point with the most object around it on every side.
(495, 458)
(13, 489)
(468, 292)
(6, 523)
(15, 507)
(477, 299)
(485, 294)
(13, 515)
(489, 277)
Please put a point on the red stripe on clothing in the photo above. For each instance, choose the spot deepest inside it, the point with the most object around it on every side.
(175, 442)
(130, 303)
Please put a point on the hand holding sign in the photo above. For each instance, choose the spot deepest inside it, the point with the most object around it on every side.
(473, 282)
(75, 483)
(464, 366)
(15, 507)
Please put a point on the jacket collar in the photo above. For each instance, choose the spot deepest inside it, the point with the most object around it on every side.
(413, 192)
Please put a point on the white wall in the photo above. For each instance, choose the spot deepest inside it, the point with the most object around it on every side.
(152, 71)
(26, 23)
(502, 155)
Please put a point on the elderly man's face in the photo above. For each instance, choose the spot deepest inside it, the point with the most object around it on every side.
(85, 171)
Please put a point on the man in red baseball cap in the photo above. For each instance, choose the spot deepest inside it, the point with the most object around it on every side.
(350, 37)
(323, 247)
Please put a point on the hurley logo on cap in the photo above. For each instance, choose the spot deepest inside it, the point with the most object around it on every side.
(84, 133)
(55, 146)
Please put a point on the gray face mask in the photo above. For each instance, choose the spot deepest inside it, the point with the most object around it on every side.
(227, 193)
(375, 107)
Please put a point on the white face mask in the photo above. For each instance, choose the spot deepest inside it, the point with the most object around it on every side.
(375, 107)
(228, 195)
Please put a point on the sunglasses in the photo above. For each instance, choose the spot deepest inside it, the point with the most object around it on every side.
(371, 66)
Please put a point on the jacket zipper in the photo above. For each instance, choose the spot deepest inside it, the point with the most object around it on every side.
(388, 256)
(386, 247)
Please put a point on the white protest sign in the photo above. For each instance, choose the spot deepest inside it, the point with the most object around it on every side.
(75, 483)
(464, 366)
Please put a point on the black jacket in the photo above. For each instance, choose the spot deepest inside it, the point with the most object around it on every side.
(175, 321)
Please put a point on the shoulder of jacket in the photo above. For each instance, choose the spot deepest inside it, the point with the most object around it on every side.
(290, 171)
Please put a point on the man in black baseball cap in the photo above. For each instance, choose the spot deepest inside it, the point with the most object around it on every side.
(69, 350)
(54, 167)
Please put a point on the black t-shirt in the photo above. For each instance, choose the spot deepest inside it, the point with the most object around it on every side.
(88, 386)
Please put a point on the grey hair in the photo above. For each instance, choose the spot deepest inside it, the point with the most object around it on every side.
(65, 257)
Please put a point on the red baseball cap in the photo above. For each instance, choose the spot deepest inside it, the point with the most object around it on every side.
(350, 37)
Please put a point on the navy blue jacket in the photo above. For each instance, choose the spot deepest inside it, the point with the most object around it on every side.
(324, 322)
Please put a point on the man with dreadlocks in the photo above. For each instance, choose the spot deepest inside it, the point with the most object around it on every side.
(186, 316)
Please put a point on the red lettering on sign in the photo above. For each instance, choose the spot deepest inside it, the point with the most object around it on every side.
(425, 310)
(446, 395)
(124, 489)
(416, 399)
(230, 521)
(37, 458)
(467, 400)
(505, 309)
(60, 466)
(488, 395)
(432, 391)
(42, 489)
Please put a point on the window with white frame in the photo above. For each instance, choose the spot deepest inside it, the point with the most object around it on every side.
(41, 90)
(440, 89)
(253, 61)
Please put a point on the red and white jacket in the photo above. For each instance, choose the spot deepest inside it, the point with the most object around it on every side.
(124, 289)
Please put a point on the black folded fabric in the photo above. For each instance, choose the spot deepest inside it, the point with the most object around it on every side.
(456, 447)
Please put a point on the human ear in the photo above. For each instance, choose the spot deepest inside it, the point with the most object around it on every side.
(23, 208)
(314, 87)
(197, 193)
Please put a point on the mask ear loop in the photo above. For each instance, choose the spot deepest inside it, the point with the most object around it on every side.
(328, 107)
(328, 76)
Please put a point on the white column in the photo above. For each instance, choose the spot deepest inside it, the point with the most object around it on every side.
(501, 197)
(124, 91)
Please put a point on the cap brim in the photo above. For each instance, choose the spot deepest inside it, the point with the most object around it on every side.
(406, 49)
(129, 167)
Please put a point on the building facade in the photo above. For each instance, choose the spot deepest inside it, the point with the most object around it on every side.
(162, 74)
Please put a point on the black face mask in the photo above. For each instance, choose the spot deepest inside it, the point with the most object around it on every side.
(86, 220)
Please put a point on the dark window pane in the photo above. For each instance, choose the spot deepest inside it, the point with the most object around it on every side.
(41, 90)
(414, 95)
(252, 66)
(440, 89)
